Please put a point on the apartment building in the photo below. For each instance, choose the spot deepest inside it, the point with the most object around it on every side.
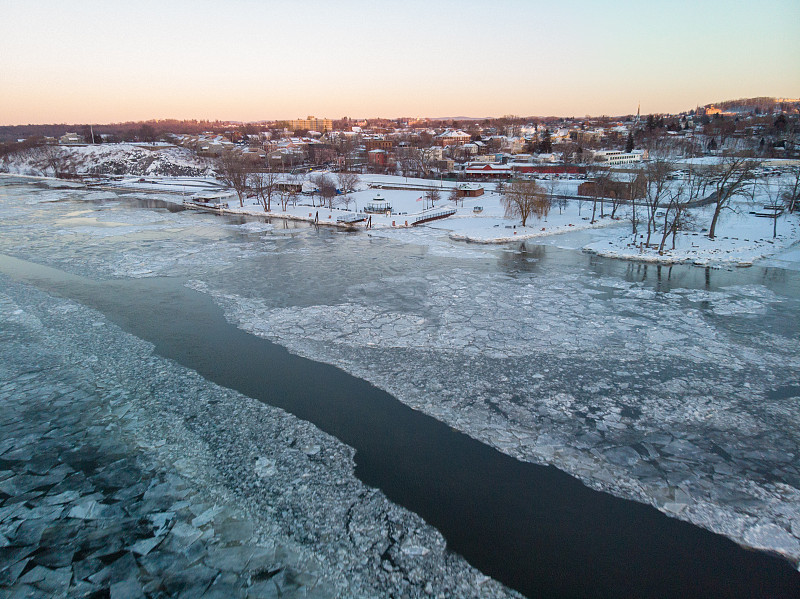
(311, 123)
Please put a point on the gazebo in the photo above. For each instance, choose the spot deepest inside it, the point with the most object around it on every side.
(379, 205)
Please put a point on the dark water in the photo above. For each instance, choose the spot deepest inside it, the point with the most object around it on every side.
(534, 528)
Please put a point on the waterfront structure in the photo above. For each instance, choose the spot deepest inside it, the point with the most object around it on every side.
(379, 205)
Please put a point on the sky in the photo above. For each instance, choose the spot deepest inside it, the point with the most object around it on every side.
(88, 61)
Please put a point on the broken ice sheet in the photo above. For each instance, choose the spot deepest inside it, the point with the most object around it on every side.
(463, 353)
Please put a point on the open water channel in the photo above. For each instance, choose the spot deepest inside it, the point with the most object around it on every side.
(573, 426)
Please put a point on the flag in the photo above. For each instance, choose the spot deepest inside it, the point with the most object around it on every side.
(419, 199)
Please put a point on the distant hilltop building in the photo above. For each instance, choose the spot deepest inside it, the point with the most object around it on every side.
(311, 123)
(70, 138)
(709, 110)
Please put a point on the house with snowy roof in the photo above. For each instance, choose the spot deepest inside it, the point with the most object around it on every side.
(469, 190)
(70, 138)
(452, 137)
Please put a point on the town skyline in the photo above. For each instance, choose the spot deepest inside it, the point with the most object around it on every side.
(421, 118)
(251, 62)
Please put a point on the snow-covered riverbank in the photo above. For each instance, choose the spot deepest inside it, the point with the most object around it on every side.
(742, 237)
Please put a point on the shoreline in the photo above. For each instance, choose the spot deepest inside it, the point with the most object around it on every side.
(535, 235)
(703, 257)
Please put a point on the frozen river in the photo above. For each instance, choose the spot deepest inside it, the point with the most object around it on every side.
(675, 387)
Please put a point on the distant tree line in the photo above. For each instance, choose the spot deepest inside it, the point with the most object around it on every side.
(127, 131)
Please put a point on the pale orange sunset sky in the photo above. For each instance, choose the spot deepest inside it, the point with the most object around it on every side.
(95, 62)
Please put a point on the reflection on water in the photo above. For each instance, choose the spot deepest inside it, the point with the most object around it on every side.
(524, 259)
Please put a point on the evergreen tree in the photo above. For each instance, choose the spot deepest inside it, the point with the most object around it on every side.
(547, 144)
(629, 143)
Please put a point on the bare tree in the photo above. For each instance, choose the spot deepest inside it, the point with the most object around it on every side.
(634, 192)
(774, 194)
(316, 182)
(454, 196)
(551, 193)
(291, 191)
(52, 157)
(348, 182)
(790, 190)
(730, 178)
(417, 160)
(599, 192)
(282, 195)
(234, 171)
(404, 161)
(432, 196)
(617, 195)
(265, 186)
(568, 150)
(347, 146)
(674, 211)
(327, 189)
(657, 177)
(541, 204)
(522, 199)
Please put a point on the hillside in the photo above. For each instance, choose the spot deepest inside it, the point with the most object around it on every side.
(760, 105)
(108, 159)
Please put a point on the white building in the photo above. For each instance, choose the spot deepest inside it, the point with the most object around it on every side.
(616, 156)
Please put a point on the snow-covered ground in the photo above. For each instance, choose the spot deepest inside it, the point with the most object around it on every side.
(741, 236)
(180, 176)
(112, 159)
(741, 239)
(477, 219)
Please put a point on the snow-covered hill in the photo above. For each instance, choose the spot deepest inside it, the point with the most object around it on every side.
(109, 159)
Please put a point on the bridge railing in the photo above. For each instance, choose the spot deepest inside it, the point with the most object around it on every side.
(423, 218)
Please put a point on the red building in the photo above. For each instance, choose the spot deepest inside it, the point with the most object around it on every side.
(488, 171)
(377, 157)
(469, 190)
